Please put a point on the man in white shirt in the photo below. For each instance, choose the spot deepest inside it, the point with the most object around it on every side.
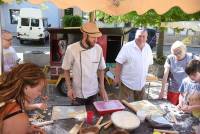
(132, 66)
(85, 59)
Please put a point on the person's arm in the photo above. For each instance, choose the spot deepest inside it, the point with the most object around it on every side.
(194, 107)
(30, 106)
(70, 91)
(164, 81)
(188, 108)
(118, 69)
(180, 100)
(102, 90)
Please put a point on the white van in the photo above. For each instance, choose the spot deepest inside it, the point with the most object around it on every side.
(32, 25)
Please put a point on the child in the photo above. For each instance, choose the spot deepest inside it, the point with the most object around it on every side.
(189, 100)
(9, 53)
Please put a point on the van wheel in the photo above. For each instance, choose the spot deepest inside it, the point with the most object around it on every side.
(62, 87)
(21, 41)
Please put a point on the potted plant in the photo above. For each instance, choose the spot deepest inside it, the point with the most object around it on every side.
(72, 21)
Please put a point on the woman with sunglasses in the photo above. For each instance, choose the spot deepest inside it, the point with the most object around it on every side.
(174, 71)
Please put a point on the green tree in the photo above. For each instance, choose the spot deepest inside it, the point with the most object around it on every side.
(150, 18)
(1, 2)
(18, 1)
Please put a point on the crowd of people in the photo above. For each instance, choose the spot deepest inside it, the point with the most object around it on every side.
(22, 83)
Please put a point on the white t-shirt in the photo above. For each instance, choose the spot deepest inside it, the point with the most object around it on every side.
(10, 58)
(135, 63)
(84, 64)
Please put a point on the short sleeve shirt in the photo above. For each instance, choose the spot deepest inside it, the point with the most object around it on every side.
(135, 63)
(177, 71)
(84, 64)
(191, 90)
(10, 58)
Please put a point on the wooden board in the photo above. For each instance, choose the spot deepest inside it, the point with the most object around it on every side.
(147, 107)
(65, 112)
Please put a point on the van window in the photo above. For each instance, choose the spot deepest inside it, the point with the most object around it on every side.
(35, 22)
(24, 22)
(45, 23)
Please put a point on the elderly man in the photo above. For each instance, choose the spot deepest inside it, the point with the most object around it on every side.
(132, 66)
(85, 59)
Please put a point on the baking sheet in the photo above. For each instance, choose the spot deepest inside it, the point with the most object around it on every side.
(66, 112)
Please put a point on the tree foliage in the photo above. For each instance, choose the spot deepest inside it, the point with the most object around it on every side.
(17, 1)
(150, 18)
(1, 2)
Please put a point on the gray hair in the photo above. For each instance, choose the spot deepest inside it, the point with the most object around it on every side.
(180, 45)
(140, 30)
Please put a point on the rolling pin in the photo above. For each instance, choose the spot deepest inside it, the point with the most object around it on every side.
(108, 125)
(44, 123)
(129, 106)
(76, 128)
(99, 121)
(166, 131)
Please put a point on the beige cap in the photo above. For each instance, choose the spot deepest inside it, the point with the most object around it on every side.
(91, 29)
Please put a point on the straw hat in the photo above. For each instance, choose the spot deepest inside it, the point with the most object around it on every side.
(91, 29)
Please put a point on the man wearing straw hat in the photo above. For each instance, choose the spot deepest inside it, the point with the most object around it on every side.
(85, 59)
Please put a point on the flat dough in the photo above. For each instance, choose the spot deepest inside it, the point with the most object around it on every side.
(125, 120)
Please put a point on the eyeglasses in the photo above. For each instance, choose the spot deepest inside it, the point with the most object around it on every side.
(177, 52)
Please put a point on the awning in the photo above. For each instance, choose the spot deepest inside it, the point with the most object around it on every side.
(119, 7)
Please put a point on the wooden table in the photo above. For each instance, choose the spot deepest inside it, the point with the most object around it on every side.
(184, 125)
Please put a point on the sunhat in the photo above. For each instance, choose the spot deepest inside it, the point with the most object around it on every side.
(91, 29)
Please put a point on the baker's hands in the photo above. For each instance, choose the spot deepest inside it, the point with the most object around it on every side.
(179, 106)
(186, 108)
(103, 94)
(45, 98)
(71, 94)
(41, 106)
(35, 130)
